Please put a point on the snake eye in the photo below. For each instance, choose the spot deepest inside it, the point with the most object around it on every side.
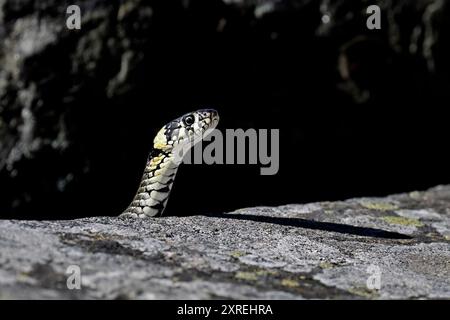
(189, 120)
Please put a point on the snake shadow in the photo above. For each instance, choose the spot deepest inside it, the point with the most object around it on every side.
(315, 225)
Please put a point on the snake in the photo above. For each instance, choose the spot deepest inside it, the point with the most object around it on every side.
(169, 147)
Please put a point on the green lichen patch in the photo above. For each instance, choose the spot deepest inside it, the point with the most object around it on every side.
(379, 205)
(402, 221)
(237, 254)
(290, 283)
(364, 292)
(264, 272)
(244, 275)
(415, 195)
(326, 265)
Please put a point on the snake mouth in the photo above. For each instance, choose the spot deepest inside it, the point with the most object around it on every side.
(208, 118)
(215, 119)
(209, 125)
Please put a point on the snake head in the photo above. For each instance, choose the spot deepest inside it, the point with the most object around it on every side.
(186, 130)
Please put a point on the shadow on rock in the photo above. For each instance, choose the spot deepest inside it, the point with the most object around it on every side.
(315, 225)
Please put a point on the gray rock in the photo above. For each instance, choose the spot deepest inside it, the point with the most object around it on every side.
(322, 250)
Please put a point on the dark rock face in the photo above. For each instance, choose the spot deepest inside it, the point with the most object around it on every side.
(58, 111)
(79, 108)
(318, 250)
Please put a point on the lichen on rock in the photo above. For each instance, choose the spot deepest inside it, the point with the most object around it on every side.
(253, 253)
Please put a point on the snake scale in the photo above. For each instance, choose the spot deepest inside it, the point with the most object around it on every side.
(169, 146)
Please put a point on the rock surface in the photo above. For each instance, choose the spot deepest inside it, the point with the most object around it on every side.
(317, 250)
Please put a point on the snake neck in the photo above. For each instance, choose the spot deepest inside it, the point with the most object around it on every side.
(155, 186)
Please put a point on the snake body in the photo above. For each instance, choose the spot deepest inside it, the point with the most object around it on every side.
(169, 146)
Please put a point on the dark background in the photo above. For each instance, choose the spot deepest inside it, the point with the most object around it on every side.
(361, 112)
